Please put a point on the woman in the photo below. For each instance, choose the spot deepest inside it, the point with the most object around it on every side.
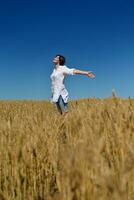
(59, 92)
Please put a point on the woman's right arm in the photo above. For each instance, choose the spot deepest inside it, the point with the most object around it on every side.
(87, 73)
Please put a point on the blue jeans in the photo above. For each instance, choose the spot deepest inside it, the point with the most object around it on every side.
(61, 105)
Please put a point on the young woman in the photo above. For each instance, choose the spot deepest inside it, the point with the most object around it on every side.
(59, 92)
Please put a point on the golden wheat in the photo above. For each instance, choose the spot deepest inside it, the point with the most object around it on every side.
(87, 155)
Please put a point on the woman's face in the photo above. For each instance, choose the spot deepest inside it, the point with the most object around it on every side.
(56, 60)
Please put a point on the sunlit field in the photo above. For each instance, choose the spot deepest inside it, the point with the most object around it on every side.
(86, 155)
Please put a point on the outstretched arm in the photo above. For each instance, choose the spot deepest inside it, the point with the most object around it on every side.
(87, 73)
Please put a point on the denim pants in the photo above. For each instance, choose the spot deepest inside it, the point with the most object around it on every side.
(61, 105)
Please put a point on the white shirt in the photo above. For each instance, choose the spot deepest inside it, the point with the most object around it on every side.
(58, 87)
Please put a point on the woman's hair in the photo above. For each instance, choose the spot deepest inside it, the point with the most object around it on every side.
(61, 59)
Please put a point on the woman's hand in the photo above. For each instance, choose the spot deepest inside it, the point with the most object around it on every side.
(90, 74)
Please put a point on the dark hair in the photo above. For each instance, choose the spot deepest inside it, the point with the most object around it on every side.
(61, 59)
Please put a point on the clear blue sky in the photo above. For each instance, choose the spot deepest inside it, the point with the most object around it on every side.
(95, 35)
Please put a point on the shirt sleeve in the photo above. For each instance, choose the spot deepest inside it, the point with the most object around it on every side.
(68, 71)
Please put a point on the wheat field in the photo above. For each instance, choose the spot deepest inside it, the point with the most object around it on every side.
(86, 155)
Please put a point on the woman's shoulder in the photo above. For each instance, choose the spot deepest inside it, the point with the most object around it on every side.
(64, 67)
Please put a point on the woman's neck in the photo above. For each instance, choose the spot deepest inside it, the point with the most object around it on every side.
(57, 66)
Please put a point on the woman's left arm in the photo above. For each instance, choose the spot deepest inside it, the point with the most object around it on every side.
(87, 73)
